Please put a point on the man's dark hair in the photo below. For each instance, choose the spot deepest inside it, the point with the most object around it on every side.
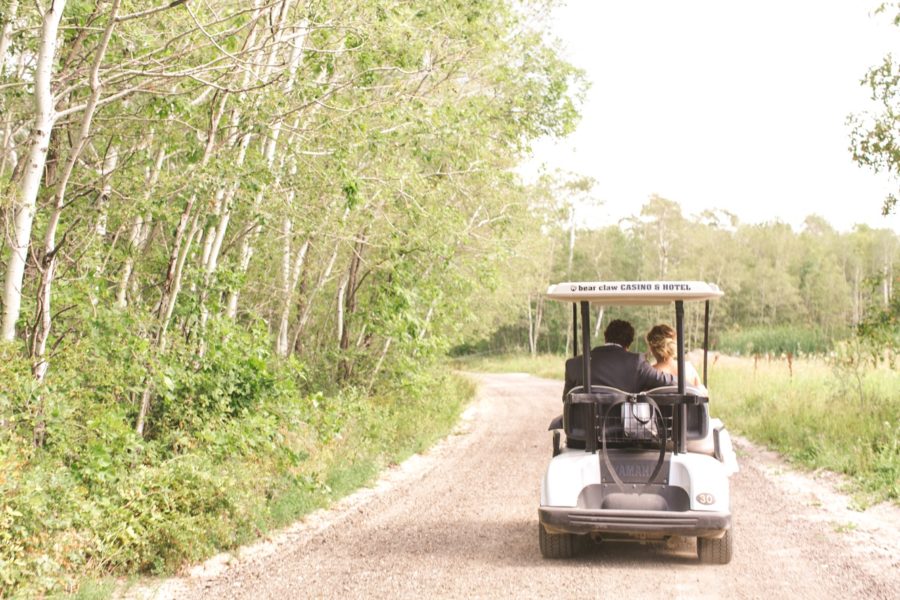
(619, 332)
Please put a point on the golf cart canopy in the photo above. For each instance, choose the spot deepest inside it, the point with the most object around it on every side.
(623, 293)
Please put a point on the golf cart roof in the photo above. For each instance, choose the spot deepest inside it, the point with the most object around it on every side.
(623, 293)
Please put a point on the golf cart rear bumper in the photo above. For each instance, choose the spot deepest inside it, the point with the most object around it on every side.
(686, 523)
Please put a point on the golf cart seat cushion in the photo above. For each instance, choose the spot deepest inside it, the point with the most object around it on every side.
(576, 417)
(697, 414)
(703, 446)
(673, 389)
(557, 422)
(706, 445)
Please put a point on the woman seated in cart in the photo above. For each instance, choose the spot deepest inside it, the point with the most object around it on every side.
(662, 341)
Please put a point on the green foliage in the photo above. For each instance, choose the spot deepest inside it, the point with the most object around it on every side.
(818, 416)
(385, 150)
(874, 142)
(192, 392)
(240, 445)
(773, 341)
(880, 332)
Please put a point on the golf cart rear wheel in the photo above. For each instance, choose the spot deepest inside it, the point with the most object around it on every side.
(715, 551)
(557, 545)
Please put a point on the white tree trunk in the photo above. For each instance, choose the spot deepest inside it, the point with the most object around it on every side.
(213, 260)
(6, 32)
(538, 317)
(176, 284)
(282, 346)
(125, 278)
(323, 279)
(25, 204)
(213, 247)
(531, 346)
(599, 323)
(287, 230)
(381, 357)
(571, 240)
(246, 255)
(167, 305)
(109, 165)
(8, 154)
(340, 309)
(890, 278)
(138, 231)
(269, 152)
(172, 283)
(247, 241)
(428, 316)
(569, 263)
(887, 275)
(171, 288)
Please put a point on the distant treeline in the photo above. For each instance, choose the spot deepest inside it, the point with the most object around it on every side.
(786, 290)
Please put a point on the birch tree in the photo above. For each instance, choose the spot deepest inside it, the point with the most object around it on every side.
(25, 203)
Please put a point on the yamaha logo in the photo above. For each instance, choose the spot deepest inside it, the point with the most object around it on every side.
(706, 499)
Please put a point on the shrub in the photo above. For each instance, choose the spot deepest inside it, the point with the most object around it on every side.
(237, 445)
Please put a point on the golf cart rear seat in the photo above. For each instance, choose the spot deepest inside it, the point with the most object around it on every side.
(627, 425)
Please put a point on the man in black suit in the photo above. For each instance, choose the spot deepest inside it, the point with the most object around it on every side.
(614, 366)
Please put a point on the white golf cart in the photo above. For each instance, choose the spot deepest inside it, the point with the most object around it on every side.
(644, 466)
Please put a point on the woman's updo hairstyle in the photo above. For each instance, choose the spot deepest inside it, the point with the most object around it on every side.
(661, 340)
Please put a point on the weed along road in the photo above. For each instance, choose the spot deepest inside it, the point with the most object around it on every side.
(461, 522)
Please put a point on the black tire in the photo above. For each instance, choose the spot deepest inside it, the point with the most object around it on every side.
(716, 551)
(557, 545)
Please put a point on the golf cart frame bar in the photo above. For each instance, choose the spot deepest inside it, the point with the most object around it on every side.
(680, 409)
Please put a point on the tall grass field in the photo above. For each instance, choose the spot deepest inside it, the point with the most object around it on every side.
(813, 411)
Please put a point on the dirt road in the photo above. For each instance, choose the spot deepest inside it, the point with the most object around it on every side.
(461, 522)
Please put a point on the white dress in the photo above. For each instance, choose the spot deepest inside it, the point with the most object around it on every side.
(691, 377)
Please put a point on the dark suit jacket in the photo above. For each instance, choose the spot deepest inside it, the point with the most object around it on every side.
(614, 366)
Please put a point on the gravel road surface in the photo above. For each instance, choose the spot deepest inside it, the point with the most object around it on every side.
(461, 522)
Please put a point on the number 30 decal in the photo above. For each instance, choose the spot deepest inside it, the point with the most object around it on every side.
(706, 499)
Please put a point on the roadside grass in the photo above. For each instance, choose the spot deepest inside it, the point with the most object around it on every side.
(392, 432)
(388, 431)
(91, 589)
(550, 366)
(259, 474)
(796, 339)
(812, 412)
(818, 416)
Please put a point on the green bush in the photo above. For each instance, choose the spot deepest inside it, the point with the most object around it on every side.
(237, 444)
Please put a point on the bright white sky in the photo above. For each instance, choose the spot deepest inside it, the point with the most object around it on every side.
(723, 104)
